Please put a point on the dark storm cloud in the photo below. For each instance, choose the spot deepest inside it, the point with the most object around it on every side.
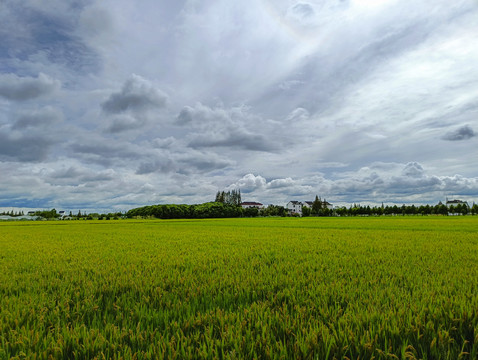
(413, 169)
(99, 148)
(124, 122)
(164, 143)
(235, 139)
(203, 162)
(38, 118)
(411, 185)
(106, 152)
(47, 31)
(221, 127)
(23, 148)
(185, 116)
(162, 165)
(183, 160)
(303, 9)
(137, 94)
(69, 173)
(74, 175)
(16, 88)
(463, 133)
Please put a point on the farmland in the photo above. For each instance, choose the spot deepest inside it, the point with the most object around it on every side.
(383, 288)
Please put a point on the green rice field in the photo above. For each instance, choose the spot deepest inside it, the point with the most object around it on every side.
(262, 288)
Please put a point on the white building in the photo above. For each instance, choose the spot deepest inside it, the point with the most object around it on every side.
(450, 203)
(294, 207)
(251, 204)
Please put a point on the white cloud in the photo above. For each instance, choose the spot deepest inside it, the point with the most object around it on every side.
(298, 115)
(249, 183)
(379, 182)
(281, 183)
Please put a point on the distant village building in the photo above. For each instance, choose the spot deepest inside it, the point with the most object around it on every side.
(450, 203)
(455, 207)
(64, 215)
(251, 204)
(294, 207)
(326, 204)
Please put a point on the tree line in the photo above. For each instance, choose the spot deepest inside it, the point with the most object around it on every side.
(227, 204)
(183, 211)
(12, 213)
(203, 211)
(53, 214)
(439, 209)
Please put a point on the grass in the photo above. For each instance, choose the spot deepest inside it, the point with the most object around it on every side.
(311, 288)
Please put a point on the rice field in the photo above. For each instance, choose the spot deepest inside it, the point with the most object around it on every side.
(263, 288)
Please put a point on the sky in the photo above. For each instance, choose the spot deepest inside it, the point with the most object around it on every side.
(111, 105)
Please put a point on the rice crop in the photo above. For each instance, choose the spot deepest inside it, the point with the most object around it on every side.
(270, 288)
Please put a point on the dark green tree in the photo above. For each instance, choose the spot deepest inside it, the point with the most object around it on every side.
(220, 197)
(474, 209)
(250, 212)
(305, 211)
(232, 197)
(316, 206)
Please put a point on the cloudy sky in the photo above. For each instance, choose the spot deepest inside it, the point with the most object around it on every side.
(109, 105)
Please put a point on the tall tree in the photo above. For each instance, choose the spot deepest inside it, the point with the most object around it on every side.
(232, 197)
(316, 206)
